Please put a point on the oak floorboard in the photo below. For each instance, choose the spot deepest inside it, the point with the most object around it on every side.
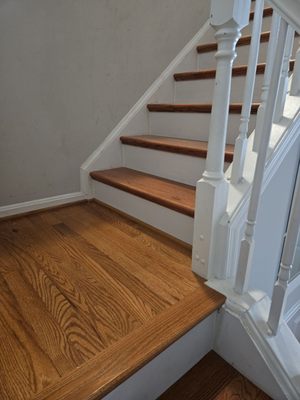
(212, 378)
(87, 297)
(136, 250)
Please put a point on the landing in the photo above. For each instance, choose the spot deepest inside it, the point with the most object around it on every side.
(87, 297)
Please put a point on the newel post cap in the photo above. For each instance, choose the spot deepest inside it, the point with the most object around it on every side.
(232, 12)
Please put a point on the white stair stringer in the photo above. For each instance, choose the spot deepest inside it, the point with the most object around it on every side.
(243, 340)
(173, 223)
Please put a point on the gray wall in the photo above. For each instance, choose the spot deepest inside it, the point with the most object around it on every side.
(69, 71)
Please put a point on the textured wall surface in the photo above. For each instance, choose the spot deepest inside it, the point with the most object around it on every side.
(69, 71)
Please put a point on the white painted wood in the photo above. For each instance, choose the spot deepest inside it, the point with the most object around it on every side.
(292, 306)
(242, 139)
(192, 125)
(270, 362)
(289, 10)
(284, 78)
(284, 142)
(207, 60)
(201, 91)
(289, 248)
(295, 86)
(175, 224)
(34, 205)
(246, 251)
(212, 189)
(267, 79)
(177, 167)
(165, 369)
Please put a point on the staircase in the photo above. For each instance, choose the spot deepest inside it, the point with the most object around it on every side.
(193, 158)
(161, 166)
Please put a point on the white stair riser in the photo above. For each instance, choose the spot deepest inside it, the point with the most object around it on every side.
(192, 125)
(170, 365)
(207, 60)
(201, 91)
(178, 167)
(171, 222)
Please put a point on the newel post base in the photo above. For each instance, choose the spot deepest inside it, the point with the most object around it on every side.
(211, 202)
(228, 17)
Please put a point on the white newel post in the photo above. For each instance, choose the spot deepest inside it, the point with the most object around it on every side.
(284, 79)
(242, 139)
(295, 87)
(278, 297)
(267, 78)
(247, 244)
(228, 18)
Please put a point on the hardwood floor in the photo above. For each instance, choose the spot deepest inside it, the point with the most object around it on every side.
(78, 286)
(213, 379)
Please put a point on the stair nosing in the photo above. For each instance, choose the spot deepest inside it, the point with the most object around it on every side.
(144, 142)
(239, 70)
(234, 108)
(171, 204)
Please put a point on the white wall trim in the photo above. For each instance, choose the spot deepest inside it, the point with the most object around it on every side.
(231, 226)
(279, 352)
(34, 205)
(243, 339)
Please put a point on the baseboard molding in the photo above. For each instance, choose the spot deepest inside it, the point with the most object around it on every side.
(19, 209)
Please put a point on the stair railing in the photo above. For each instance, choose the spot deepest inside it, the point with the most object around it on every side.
(286, 265)
(227, 18)
(284, 79)
(247, 244)
(212, 190)
(267, 79)
(242, 139)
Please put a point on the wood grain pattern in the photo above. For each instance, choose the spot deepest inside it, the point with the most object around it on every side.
(174, 195)
(243, 41)
(81, 290)
(213, 379)
(240, 70)
(91, 381)
(194, 148)
(234, 108)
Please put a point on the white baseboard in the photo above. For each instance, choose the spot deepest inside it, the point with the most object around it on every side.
(34, 205)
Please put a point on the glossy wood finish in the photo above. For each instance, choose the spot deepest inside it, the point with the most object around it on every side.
(174, 195)
(240, 70)
(213, 379)
(87, 298)
(194, 148)
(234, 108)
(243, 41)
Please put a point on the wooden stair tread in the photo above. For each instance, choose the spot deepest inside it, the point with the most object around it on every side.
(268, 12)
(211, 379)
(174, 195)
(243, 41)
(195, 148)
(234, 108)
(239, 70)
(111, 367)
